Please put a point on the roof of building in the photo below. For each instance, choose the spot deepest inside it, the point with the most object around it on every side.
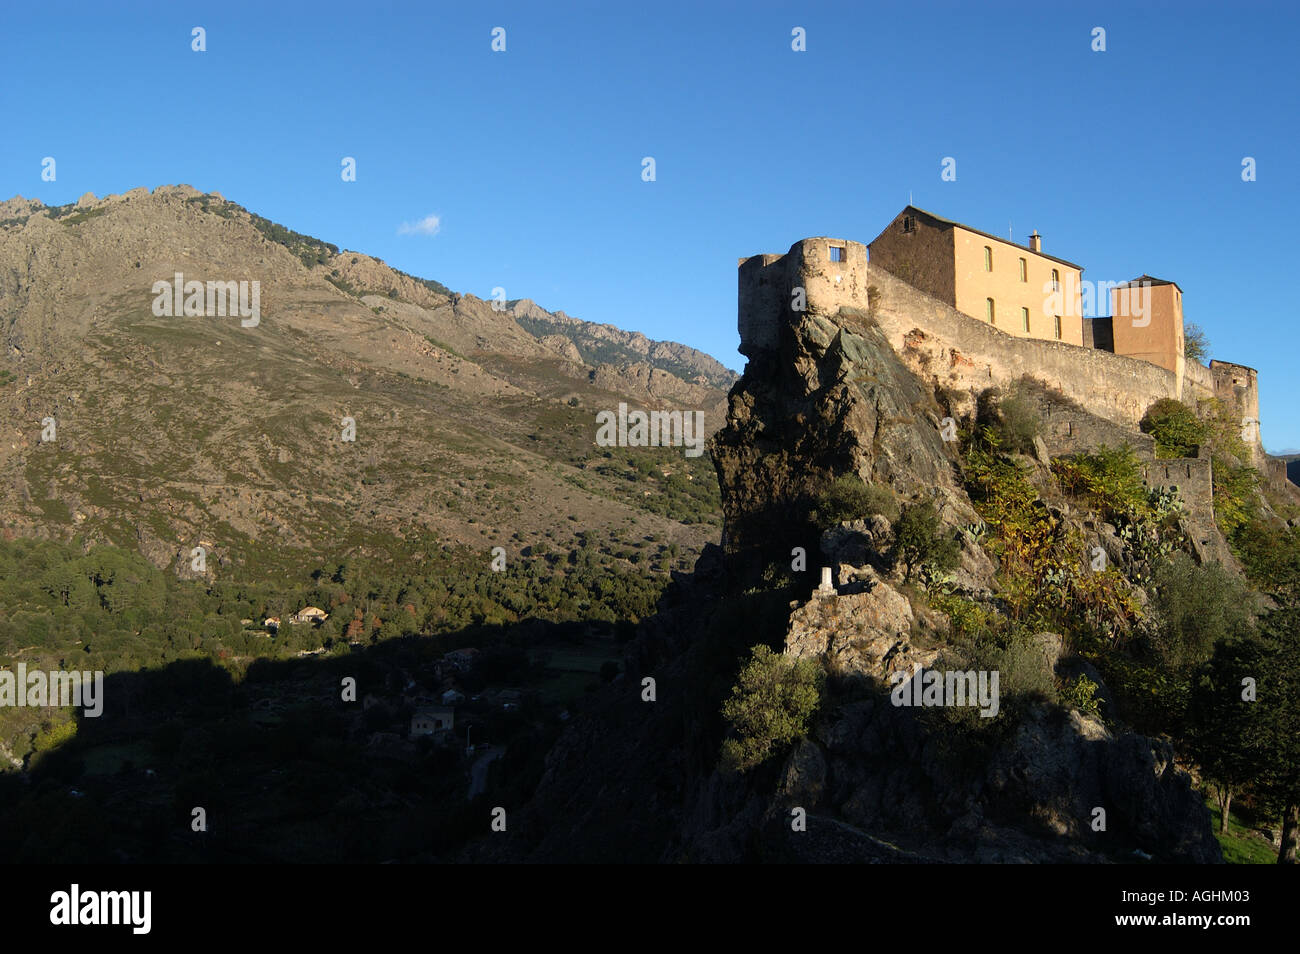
(949, 223)
(1149, 280)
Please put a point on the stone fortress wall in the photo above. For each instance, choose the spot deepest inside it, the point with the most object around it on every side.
(963, 354)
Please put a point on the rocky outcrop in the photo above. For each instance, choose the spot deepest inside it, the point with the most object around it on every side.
(879, 781)
(832, 399)
(864, 633)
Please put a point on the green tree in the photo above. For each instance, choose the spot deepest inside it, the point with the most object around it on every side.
(1110, 479)
(1197, 606)
(1196, 345)
(1017, 422)
(1271, 557)
(1234, 486)
(919, 540)
(1278, 733)
(1220, 724)
(849, 497)
(770, 706)
(1245, 713)
(1176, 428)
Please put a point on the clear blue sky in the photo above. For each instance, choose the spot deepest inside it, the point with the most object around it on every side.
(1127, 161)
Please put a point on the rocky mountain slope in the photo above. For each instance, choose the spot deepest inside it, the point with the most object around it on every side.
(473, 425)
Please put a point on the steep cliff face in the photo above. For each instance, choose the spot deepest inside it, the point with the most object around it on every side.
(831, 399)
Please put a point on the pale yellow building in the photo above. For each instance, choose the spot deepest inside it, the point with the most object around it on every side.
(1015, 288)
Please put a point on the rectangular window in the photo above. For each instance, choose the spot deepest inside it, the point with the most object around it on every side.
(988, 307)
(1024, 318)
(988, 259)
(1056, 281)
(1058, 327)
(909, 223)
(1024, 270)
(837, 253)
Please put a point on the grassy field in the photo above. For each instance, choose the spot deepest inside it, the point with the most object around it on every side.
(1242, 845)
(572, 669)
(565, 687)
(110, 759)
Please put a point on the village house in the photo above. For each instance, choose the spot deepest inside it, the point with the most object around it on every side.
(309, 614)
(432, 720)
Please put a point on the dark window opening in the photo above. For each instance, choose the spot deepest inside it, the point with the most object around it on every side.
(909, 223)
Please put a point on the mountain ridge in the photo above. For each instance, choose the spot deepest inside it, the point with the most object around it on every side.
(174, 428)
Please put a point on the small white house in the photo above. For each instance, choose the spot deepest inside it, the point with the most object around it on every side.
(432, 720)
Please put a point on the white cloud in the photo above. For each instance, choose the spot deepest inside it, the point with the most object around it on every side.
(429, 225)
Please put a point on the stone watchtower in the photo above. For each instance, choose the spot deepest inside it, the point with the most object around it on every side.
(1237, 386)
(817, 274)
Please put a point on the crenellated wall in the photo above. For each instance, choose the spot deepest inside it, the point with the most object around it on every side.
(1193, 478)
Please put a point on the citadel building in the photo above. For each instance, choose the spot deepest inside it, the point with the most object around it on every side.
(967, 310)
(993, 310)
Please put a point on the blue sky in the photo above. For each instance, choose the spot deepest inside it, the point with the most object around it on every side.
(1126, 161)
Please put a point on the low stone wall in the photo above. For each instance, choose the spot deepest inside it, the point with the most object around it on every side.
(1069, 430)
(1190, 476)
(1193, 478)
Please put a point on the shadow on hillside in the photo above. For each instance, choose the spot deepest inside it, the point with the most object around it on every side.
(286, 769)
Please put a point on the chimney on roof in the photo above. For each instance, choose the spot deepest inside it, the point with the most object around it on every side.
(1035, 242)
